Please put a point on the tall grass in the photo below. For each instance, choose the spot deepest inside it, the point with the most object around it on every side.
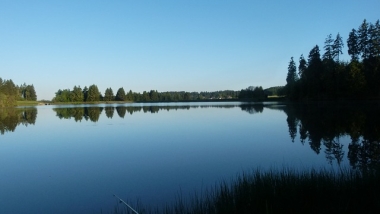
(284, 191)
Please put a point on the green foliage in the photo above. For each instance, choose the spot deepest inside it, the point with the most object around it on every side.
(275, 91)
(252, 93)
(108, 95)
(130, 96)
(93, 94)
(85, 93)
(154, 96)
(76, 95)
(27, 92)
(62, 96)
(120, 94)
(332, 79)
(9, 93)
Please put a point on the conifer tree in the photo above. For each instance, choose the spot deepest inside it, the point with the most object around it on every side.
(328, 55)
(93, 94)
(363, 37)
(108, 95)
(337, 47)
(353, 45)
(120, 94)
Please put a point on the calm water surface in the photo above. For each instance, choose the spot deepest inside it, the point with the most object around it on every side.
(72, 159)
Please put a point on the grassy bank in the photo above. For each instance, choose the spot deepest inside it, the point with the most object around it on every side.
(283, 191)
(27, 103)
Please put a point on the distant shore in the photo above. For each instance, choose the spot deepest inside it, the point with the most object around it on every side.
(268, 99)
(35, 103)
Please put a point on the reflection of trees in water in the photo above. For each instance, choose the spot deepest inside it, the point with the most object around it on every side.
(121, 111)
(79, 113)
(252, 108)
(364, 154)
(109, 110)
(325, 124)
(68, 113)
(334, 150)
(10, 118)
(93, 113)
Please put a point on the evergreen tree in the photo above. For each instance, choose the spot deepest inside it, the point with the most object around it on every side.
(129, 95)
(27, 92)
(314, 72)
(292, 76)
(76, 95)
(337, 47)
(353, 45)
(302, 67)
(328, 55)
(93, 94)
(187, 96)
(145, 96)
(291, 79)
(376, 39)
(32, 92)
(22, 89)
(120, 94)
(153, 95)
(9, 93)
(85, 93)
(108, 95)
(363, 39)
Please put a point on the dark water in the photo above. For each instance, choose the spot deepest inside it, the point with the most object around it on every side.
(72, 159)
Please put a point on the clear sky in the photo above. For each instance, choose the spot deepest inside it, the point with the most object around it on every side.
(166, 45)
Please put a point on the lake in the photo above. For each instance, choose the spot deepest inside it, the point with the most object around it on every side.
(73, 158)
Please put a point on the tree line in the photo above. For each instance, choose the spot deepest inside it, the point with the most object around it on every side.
(10, 93)
(328, 77)
(92, 94)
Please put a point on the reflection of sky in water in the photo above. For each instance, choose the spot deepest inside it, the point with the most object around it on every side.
(63, 166)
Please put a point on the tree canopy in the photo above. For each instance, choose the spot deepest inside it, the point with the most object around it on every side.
(10, 93)
(330, 78)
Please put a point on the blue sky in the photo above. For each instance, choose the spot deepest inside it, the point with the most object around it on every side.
(182, 45)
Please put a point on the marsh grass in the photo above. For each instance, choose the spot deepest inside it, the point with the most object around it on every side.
(284, 191)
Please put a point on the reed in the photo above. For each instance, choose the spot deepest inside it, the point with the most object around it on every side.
(284, 191)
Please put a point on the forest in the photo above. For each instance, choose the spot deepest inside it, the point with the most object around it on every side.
(92, 94)
(11, 93)
(327, 77)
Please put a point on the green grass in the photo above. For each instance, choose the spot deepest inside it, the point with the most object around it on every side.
(27, 103)
(283, 191)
